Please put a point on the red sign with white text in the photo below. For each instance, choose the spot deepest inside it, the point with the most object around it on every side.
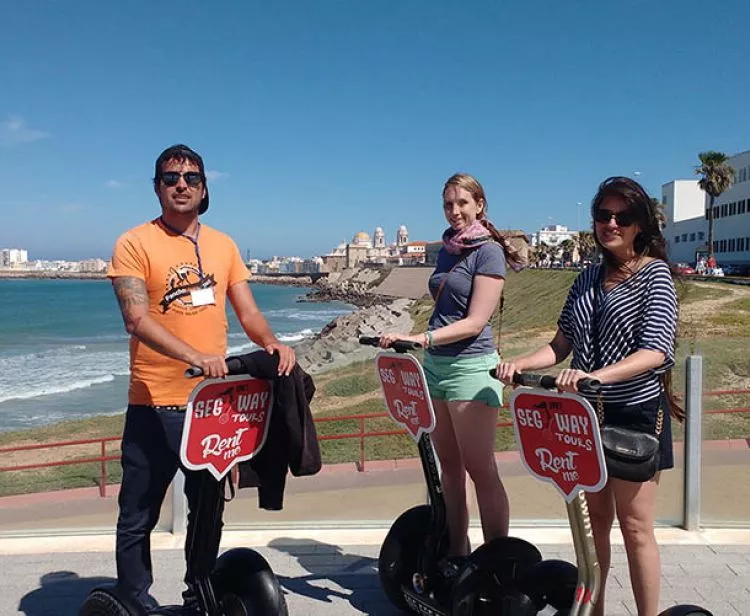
(558, 436)
(405, 391)
(226, 422)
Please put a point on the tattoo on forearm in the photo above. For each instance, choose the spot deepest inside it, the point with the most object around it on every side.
(130, 291)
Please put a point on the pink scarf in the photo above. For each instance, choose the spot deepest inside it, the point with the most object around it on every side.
(475, 235)
(472, 236)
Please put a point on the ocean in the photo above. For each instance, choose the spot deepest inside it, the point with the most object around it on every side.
(64, 349)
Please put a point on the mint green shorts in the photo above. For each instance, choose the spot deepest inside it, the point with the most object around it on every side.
(461, 379)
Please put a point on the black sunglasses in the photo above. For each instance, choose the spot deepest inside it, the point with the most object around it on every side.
(171, 178)
(623, 219)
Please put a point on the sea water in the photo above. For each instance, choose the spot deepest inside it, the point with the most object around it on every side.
(64, 349)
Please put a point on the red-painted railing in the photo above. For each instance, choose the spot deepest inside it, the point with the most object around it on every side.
(361, 434)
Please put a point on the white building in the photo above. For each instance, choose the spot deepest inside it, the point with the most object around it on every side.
(687, 218)
(552, 235)
(685, 212)
(10, 257)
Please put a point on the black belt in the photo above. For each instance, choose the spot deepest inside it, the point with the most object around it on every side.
(172, 408)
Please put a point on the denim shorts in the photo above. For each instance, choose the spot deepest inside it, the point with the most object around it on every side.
(459, 379)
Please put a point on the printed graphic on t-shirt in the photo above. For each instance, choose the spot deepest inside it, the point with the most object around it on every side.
(182, 280)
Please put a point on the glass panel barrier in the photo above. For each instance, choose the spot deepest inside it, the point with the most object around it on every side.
(725, 491)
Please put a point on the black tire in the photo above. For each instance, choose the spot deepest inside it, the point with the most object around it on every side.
(492, 575)
(109, 602)
(552, 582)
(399, 553)
(686, 610)
(245, 585)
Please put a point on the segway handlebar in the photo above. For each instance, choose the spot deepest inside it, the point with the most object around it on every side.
(234, 366)
(545, 381)
(400, 346)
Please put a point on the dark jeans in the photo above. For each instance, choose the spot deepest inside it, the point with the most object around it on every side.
(150, 459)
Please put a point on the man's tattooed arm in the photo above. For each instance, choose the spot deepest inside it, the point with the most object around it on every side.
(130, 292)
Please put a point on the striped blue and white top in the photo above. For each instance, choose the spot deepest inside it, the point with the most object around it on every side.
(638, 313)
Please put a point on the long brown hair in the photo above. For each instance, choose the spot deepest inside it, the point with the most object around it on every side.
(649, 242)
(513, 255)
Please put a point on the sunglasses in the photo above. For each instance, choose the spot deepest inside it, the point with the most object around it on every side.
(623, 219)
(171, 178)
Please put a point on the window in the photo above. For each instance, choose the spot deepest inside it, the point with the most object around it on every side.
(742, 207)
(731, 245)
(692, 237)
(676, 239)
(724, 209)
(741, 244)
(684, 237)
(701, 235)
(733, 208)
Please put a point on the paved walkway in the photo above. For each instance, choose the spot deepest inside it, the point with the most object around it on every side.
(327, 563)
(334, 572)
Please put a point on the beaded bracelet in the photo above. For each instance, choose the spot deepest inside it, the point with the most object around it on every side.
(430, 341)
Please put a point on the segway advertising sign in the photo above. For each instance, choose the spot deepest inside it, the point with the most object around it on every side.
(558, 436)
(405, 392)
(226, 422)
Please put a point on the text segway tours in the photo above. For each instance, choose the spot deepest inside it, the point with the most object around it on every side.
(226, 422)
(558, 438)
(412, 565)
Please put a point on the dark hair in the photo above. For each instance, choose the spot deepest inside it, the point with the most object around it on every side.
(514, 245)
(182, 153)
(649, 241)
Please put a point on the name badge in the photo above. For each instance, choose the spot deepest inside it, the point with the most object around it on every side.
(202, 297)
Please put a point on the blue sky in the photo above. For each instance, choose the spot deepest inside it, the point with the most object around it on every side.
(320, 118)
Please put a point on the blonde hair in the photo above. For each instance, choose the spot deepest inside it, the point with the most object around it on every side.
(515, 254)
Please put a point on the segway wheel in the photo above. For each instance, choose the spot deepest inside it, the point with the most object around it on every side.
(245, 585)
(491, 579)
(551, 582)
(398, 555)
(108, 602)
(686, 610)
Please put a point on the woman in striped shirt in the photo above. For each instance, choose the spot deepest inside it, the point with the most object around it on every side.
(619, 321)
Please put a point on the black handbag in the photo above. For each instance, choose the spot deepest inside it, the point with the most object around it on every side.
(630, 454)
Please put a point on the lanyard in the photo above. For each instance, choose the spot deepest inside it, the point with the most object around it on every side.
(194, 240)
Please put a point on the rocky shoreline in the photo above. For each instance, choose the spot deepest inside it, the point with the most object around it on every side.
(338, 342)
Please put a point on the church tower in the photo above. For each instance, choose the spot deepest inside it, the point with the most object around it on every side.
(378, 238)
(402, 237)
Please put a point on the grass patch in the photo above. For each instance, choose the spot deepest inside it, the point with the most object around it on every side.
(689, 292)
(353, 385)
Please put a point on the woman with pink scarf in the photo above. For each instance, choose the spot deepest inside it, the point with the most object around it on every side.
(460, 351)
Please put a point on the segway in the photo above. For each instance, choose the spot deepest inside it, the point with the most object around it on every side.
(226, 422)
(412, 561)
(558, 438)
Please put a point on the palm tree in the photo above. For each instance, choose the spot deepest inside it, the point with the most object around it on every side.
(660, 212)
(716, 177)
(567, 247)
(586, 245)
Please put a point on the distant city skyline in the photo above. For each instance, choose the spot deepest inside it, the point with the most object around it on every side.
(318, 120)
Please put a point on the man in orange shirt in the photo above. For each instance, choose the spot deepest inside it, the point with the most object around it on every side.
(172, 277)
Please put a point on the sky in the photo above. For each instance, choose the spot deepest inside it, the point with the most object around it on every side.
(318, 119)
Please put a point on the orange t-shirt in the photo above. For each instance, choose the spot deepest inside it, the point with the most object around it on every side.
(168, 263)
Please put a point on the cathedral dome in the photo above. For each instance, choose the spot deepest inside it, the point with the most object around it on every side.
(361, 238)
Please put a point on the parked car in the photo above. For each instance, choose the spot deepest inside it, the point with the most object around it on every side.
(735, 270)
(682, 269)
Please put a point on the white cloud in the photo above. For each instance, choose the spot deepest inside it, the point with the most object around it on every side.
(14, 130)
(216, 175)
(114, 184)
